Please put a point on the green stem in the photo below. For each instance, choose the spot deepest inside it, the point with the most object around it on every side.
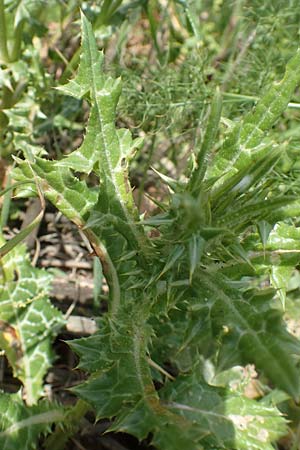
(69, 426)
(142, 368)
(3, 38)
(109, 270)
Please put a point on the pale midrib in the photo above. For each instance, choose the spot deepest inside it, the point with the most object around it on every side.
(47, 417)
(257, 125)
(137, 350)
(25, 361)
(284, 82)
(204, 412)
(244, 324)
(244, 144)
(106, 152)
(137, 356)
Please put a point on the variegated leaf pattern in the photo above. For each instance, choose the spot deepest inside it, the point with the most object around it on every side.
(21, 426)
(28, 321)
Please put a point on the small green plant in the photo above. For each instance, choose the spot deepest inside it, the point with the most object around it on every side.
(189, 307)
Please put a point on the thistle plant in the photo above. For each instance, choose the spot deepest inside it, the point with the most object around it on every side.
(205, 296)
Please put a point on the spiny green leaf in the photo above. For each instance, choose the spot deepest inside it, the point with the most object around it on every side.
(261, 339)
(240, 182)
(263, 210)
(103, 144)
(248, 135)
(121, 372)
(121, 384)
(70, 195)
(105, 150)
(222, 418)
